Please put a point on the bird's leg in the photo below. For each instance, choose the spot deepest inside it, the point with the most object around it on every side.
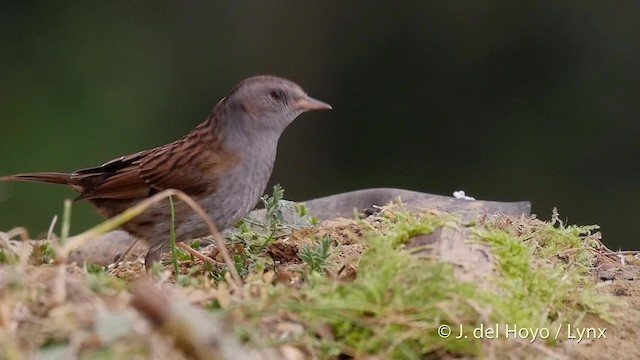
(155, 253)
(195, 253)
(122, 256)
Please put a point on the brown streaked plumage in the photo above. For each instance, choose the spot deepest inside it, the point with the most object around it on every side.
(224, 164)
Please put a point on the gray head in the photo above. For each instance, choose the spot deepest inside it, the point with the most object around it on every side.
(270, 102)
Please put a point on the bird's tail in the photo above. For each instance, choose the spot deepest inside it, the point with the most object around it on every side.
(44, 177)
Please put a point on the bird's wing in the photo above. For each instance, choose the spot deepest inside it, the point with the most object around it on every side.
(173, 166)
(188, 166)
(116, 179)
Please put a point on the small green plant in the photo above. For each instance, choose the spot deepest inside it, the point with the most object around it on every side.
(98, 280)
(44, 253)
(4, 258)
(196, 244)
(260, 233)
(316, 257)
(172, 238)
(95, 269)
(256, 235)
(273, 205)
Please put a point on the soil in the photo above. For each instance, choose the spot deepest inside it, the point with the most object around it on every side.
(68, 306)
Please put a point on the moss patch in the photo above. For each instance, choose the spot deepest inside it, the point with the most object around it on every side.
(346, 288)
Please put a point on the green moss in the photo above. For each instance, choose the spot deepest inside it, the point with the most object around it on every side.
(103, 283)
(545, 279)
(399, 300)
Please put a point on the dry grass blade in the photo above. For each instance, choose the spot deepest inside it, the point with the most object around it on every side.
(138, 209)
(22, 232)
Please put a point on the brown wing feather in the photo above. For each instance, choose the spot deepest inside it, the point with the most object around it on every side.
(181, 165)
(170, 170)
(123, 184)
(192, 165)
(116, 179)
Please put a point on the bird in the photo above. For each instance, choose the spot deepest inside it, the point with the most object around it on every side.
(224, 164)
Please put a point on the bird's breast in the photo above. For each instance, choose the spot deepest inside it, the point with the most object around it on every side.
(240, 188)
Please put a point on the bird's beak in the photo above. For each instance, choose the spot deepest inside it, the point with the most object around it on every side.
(308, 103)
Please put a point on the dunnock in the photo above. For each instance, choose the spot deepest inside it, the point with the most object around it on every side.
(223, 164)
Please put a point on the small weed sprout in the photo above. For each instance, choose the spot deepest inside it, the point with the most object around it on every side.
(316, 257)
(261, 233)
(256, 235)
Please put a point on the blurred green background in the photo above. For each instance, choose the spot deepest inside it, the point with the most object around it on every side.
(509, 101)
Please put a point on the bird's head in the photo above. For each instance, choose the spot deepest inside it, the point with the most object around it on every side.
(270, 101)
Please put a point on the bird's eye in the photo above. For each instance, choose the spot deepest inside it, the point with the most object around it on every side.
(277, 95)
